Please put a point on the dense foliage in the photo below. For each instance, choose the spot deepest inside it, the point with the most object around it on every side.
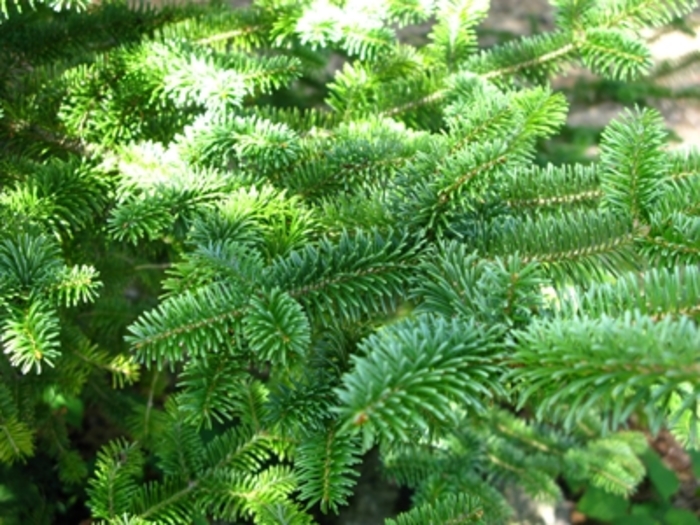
(228, 269)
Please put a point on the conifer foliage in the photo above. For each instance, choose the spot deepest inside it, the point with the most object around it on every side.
(227, 272)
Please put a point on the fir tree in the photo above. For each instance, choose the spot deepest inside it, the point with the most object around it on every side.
(252, 274)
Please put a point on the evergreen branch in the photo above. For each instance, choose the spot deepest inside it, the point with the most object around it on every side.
(229, 456)
(425, 202)
(535, 113)
(533, 472)
(480, 111)
(308, 122)
(427, 100)
(72, 468)
(218, 260)
(682, 196)
(16, 440)
(436, 487)
(207, 390)
(66, 196)
(543, 113)
(577, 253)
(301, 407)
(449, 510)
(276, 328)
(179, 447)
(614, 54)
(610, 463)
(412, 463)
(684, 421)
(154, 206)
(546, 58)
(538, 438)
(673, 238)
(266, 74)
(457, 283)
(195, 322)
(348, 279)
(658, 292)
(202, 81)
(252, 142)
(299, 326)
(339, 169)
(639, 13)
(367, 45)
(113, 484)
(570, 14)
(281, 512)
(412, 372)
(28, 260)
(149, 404)
(488, 166)
(504, 61)
(683, 163)
(141, 219)
(325, 468)
(557, 201)
(239, 449)
(77, 284)
(262, 218)
(123, 370)
(254, 398)
(244, 494)
(405, 12)
(164, 502)
(228, 35)
(453, 36)
(319, 182)
(30, 338)
(576, 245)
(628, 360)
(242, 28)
